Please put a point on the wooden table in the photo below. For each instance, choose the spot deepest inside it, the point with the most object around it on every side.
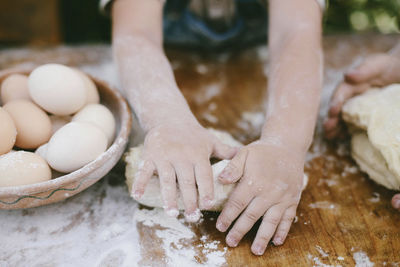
(343, 218)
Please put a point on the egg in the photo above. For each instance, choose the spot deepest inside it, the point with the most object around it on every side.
(22, 168)
(8, 132)
(14, 87)
(75, 145)
(100, 116)
(58, 121)
(32, 124)
(92, 93)
(58, 89)
(42, 151)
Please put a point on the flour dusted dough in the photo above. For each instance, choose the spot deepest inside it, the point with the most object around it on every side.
(375, 143)
(152, 194)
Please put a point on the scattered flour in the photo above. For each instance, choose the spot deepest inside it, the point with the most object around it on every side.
(376, 197)
(362, 260)
(321, 252)
(176, 236)
(208, 92)
(210, 117)
(318, 263)
(322, 205)
(254, 119)
(201, 68)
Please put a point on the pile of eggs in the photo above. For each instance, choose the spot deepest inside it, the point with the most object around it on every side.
(51, 122)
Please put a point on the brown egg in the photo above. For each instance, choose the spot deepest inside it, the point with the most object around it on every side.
(21, 168)
(8, 132)
(33, 125)
(14, 87)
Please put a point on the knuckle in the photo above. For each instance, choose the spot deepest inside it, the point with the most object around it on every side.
(237, 204)
(188, 181)
(274, 220)
(264, 238)
(236, 233)
(251, 216)
(166, 175)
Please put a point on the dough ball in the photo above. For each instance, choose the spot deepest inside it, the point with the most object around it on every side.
(58, 121)
(58, 89)
(75, 145)
(100, 116)
(92, 93)
(33, 125)
(22, 168)
(14, 87)
(375, 144)
(8, 132)
(371, 161)
(152, 195)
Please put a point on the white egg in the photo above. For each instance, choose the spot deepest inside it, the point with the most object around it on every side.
(58, 121)
(100, 116)
(75, 145)
(42, 151)
(58, 89)
(21, 168)
(92, 93)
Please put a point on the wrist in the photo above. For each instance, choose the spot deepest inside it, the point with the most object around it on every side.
(168, 116)
(295, 138)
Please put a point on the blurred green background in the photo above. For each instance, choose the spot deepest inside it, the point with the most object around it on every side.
(49, 22)
(362, 16)
(340, 16)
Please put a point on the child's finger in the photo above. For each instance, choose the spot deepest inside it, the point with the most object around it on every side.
(205, 184)
(396, 201)
(237, 202)
(370, 68)
(142, 177)
(223, 151)
(187, 187)
(284, 225)
(246, 221)
(267, 229)
(235, 168)
(167, 177)
(342, 93)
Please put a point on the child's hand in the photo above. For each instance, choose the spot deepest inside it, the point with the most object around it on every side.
(181, 152)
(271, 182)
(375, 71)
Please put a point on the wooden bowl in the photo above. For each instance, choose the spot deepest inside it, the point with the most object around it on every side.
(65, 186)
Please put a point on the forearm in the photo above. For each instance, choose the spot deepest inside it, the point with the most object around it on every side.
(145, 72)
(148, 81)
(295, 80)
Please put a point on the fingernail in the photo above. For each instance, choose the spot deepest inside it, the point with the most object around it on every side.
(137, 195)
(208, 203)
(221, 227)
(278, 241)
(194, 216)
(232, 242)
(225, 174)
(258, 250)
(172, 212)
(397, 204)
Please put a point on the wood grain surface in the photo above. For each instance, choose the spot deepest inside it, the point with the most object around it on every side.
(343, 218)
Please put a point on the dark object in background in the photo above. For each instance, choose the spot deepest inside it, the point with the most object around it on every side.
(44, 22)
(82, 22)
(29, 21)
